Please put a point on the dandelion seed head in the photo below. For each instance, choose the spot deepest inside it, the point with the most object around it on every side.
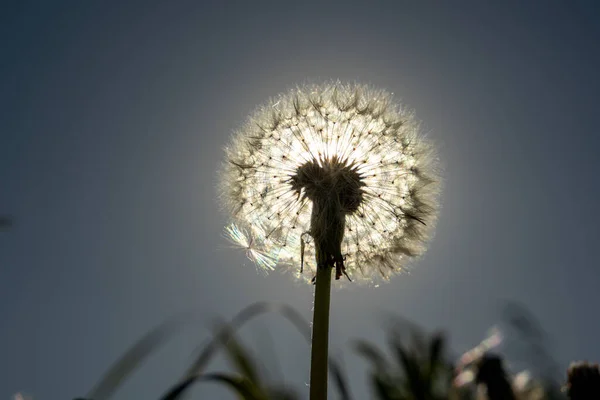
(317, 145)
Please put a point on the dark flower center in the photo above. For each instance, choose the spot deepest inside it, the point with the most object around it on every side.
(335, 190)
(331, 181)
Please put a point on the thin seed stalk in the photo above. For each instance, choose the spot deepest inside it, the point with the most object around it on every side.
(327, 230)
(320, 336)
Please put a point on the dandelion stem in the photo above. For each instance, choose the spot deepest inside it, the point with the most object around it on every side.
(320, 337)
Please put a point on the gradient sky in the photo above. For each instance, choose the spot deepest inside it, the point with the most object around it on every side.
(113, 116)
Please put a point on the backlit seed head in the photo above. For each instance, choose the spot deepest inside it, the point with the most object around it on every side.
(333, 162)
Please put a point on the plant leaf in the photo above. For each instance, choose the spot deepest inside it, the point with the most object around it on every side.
(242, 386)
(132, 359)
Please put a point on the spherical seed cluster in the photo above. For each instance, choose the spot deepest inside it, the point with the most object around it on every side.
(343, 148)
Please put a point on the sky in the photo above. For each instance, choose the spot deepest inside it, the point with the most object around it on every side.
(113, 119)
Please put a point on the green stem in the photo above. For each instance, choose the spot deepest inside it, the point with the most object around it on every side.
(320, 337)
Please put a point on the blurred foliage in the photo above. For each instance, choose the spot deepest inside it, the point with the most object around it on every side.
(246, 380)
(416, 371)
(415, 365)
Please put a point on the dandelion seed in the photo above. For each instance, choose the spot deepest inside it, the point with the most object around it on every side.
(342, 163)
(240, 238)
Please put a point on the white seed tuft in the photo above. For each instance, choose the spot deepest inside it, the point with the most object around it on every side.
(384, 173)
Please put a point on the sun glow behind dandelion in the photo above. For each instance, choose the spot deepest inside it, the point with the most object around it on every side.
(353, 143)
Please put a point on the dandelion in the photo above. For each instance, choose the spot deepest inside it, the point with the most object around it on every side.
(340, 169)
(331, 176)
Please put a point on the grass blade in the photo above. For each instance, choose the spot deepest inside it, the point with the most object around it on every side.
(132, 359)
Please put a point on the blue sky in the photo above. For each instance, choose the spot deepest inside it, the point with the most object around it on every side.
(113, 116)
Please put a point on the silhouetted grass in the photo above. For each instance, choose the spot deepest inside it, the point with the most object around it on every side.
(414, 366)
